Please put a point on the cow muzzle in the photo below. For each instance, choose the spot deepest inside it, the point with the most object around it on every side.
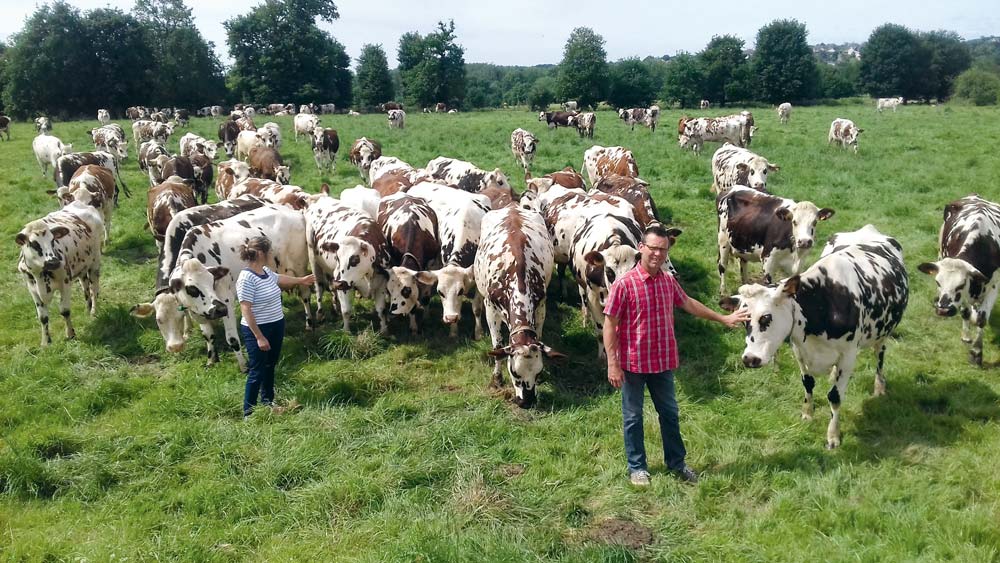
(450, 319)
(528, 400)
(175, 347)
(51, 264)
(804, 244)
(945, 310)
(217, 311)
(752, 361)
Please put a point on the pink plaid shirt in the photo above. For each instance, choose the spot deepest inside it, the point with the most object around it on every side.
(644, 306)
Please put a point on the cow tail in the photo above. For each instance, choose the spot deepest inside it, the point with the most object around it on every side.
(125, 189)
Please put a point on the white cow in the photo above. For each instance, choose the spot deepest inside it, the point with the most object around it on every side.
(397, 119)
(884, 103)
(736, 166)
(784, 112)
(103, 116)
(47, 150)
(247, 141)
(304, 124)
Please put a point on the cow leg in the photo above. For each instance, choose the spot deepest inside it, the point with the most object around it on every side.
(346, 300)
(65, 304)
(208, 331)
(879, 375)
(477, 313)
(966, 313)
(584, 311)
(305, 293)
(493, 321)
(978, 319)
(842, 375)
(540, 319)
(232, 332)
(412, 318)
(561, 276)
(41, 305)
(723, 262)
(319, 287)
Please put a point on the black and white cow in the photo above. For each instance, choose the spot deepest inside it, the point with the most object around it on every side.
(465, 175)
(325, 144)
(523, 146)
(513, 268)
(410, 227)
(363, 153)
(757, 227)
(968, 268)
(57, 249)
(736, 166)
(852, 298)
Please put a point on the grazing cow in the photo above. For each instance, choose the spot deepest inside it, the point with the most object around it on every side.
(465, 175)
(571, 106)
(271, 134)
(231, 172)
(397, 119)
(183, 117)
(390, 106)
(266, 163)
(705, 104)
(360, 198)
(100, 182)
(585, 123)
(884, 103)
(47, 151)
(63, 246)
(633, 116)
(364, 151)
(784, 112)
(735, 166)
(304, 123)
(557, 118)
(229, 131)
(600, 161)
(68, 164)
(166, 200)
(523, 144)
(4, 126)
(103, 116)
(410, 227)
(635, 191)
(845, 133)
(150, 161)
(968, 268)
(440, 107)
(460, 217)
(144, 130)
(43, 125)
(191, 144)
(325, 144)
(247, 141)
(216, 111)
(110, 138)
(736, 129)
(757, 227)
(513, 268)
(347, 252)
(853, 297)
(327, 108)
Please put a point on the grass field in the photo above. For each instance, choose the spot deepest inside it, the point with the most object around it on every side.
(113, 449)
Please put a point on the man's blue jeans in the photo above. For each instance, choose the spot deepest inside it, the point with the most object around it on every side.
(661, 389)
(260, 375)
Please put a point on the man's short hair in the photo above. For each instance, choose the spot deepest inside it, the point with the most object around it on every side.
(655, 228)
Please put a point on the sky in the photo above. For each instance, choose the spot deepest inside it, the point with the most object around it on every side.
(526, 32)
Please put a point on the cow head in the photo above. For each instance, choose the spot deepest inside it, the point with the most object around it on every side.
(266, 135)
(524, 362)
(169, 318)
(684, 141)
(453, 284)
(62, 195)
(317, 137)
(604, 267)
(959, 284)
(771, 317)
(803, 217)
(498, 179)
(282, 174)
(38, 249)
(354, 264)
(541, 116)
(754, 173)
(194, 285)
(117, 147)
(209, 149)
(404, 289)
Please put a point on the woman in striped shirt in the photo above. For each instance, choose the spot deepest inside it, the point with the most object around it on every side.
(263, 325)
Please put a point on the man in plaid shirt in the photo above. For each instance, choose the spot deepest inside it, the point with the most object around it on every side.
(642, 351)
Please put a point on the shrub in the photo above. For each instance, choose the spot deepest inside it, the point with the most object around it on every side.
(978, 86)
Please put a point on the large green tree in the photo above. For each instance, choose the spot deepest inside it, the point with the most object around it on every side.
(725, 66)
(894, 62)
(683, 81)
(280, 54)
(783, 63)
(374, 81)
(432, 67)
(949, 57)
(839, 80)
(583, 72)
(631, 84)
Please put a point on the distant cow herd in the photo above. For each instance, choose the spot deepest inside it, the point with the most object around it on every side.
(453, 229)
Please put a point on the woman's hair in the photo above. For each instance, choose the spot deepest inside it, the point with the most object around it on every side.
(255, 248)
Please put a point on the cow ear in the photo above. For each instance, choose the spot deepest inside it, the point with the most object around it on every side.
(552, 354)
(673, 234)
(59, 232)
(743, 167)
(176, 284)
(825, 214)
(860, 131)
(773, 167)
(325, 189)
(142, 310)
(791, 286)
(426, 278)
(784, 213)
(594, 258)
(929, 268)
(218, 272)
(978, 277)
(21, 239)
(730, 303)
(500, 353)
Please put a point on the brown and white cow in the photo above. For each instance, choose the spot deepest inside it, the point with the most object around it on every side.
(968, 268)
(513, 268)
(348, 253)
(758, 227)
(440, 107)
(197, 169)
(705, 104)
(166, 200)
(68, 164)
(266, 162)
(735, 129)
(601, 161)
(390, 106)
(145, 130)
(523, 146)
(231, 172)
(293, 197)
(557, 119)
(325, 144)
(633, 190)
(736, 166)
(364, 151)
(649, 117)
(4, 126)
(229, 132)
(149, 161)
(110, 138)
(397, 119)
(585, 123)
(191, 143)
(270, 133)
(465, 175)
(410, 227)
(845, 133)
(100, 182)
(57, 249)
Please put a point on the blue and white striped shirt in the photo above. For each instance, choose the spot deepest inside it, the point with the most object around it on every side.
(263, 293)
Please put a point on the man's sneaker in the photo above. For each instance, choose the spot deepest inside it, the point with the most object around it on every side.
(639, 478)
(687, 475)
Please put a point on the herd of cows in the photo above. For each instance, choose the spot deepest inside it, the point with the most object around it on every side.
(453, 229)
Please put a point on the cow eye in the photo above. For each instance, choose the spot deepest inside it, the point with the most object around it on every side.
(611, 275)
(354, 261)
(193, 291)
(406, 292)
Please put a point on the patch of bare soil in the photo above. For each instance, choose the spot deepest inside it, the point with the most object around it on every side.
(622, 532)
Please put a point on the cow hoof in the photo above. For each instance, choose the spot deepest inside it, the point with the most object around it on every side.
(833, 444)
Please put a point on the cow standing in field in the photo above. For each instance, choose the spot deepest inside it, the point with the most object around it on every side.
(754, 226)
(68, 164)
(150, 161)
(784, 112)
(735, 166)
(440, 107)
(103, 116)
(110, 138)
(364, 151)
(166, 200)
(513, 268)
(557, 119)
(852, 298)
(885, 103)
(231, 172)
(229, 132)
(523, 145)
(410, 227)
(735, 129)
(585, 123)
(465, 175)
(47, 151)
(571, 106)
(705, 104)
(57, 249)
(397, 119)
(968, 268)
(845, 133)
(600, 161)
(191, 144)
(100, 182)
(247, 141)
(293, 197)
(270, 133)
(4, 126)
(197, 169)
(267, 163)
(144, 130)
(325, 144)
(43, 125)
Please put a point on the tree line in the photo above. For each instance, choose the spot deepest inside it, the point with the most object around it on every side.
(65, 62)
